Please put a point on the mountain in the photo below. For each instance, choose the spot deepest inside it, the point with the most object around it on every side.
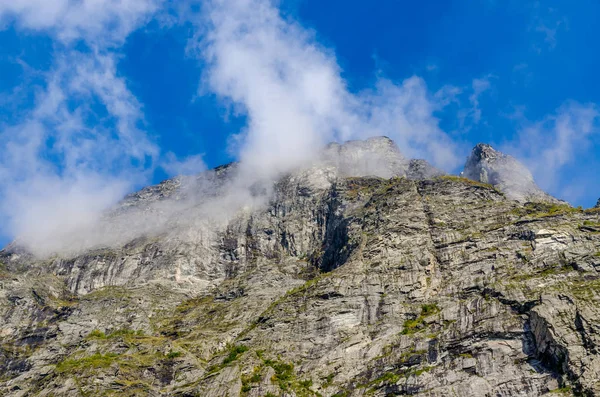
(507, 174)
(374, 156)
(340, 283)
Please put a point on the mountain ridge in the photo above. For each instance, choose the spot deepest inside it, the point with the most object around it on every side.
(335, 286)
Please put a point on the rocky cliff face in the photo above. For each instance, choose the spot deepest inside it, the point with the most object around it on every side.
(413, 284)
(504, 172)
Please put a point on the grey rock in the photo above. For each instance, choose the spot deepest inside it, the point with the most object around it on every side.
(507, 174)
(377, 156)
(421, 169)
(340, 285)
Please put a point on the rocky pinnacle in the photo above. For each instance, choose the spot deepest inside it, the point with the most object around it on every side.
(504, 172)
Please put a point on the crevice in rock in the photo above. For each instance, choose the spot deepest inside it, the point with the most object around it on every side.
(430, 222)
(544, 353)
(588, 343)
(337, 247)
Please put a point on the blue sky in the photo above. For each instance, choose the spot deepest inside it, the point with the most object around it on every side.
(96, 101)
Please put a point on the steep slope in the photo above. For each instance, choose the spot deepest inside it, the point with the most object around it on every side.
(338, 286)
(507, 174)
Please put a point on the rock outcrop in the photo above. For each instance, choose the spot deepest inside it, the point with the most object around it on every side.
(598, 204)
(417, 284)
(504, 172)
(421, 169)
(377, 156)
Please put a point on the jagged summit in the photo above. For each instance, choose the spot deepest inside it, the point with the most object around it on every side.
(597, 204)
(419, 169)
(507, 174)
(374, 156)
(362, 287)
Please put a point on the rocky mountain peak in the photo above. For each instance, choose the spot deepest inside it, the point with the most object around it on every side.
(419, 169)
(507, 174)
(598, 204)
(363, 287)
(484, 151)
(374, 156)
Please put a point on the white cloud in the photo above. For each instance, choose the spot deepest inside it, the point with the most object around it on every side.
(448, 94)
(547, 22)
(82, 145)
(188, 166)
(549, 34)
(471, 114)
(479, 87)
(291, 89)
(548, 145)
(59, 171)
(96, 21)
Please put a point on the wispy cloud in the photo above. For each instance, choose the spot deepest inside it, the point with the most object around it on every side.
(291, 88)
(102, 22)
(81, 145)
(470, 115)
(552, 143)
(60, 170)
(479, 87)
(547, 23)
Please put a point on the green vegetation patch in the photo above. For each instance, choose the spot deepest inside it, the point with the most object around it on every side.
(234, 353)
(562, 390)
(357, 187)
(391, 378)
(547, 272)
(413, 326)
(284, 377)
(95, 361)
(590, 226)
(284, 373)
(543, 210)
(467, 181)
(253, 378)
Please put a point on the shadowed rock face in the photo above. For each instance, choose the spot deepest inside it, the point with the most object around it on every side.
(598, 204)
(361, 286)
(504, 172)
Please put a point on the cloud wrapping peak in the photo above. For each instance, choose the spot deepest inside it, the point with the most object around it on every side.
(82, 145)
(291, 89)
